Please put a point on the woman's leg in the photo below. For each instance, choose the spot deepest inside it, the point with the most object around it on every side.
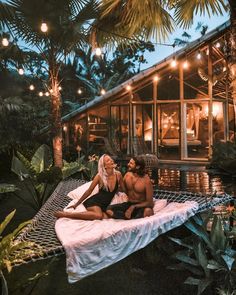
(92, 213)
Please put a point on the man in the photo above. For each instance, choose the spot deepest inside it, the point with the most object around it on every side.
(140, 193)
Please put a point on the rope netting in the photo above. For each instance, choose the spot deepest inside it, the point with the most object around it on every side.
(42, 229)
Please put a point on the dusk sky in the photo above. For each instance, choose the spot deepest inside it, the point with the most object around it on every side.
(163, 51)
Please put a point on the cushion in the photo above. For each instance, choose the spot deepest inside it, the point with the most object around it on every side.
(79, 191)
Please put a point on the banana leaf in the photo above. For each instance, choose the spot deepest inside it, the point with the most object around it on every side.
(42, 159)
(19, 168)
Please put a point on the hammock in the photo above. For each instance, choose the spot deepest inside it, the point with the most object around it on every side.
(42, 229)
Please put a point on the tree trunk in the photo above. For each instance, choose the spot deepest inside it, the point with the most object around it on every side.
(232, 57)
(56, 125)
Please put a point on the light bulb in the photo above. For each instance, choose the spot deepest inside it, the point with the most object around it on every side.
(173, 63)
(31, 87)
(98, 51)
(59, 88)
(185, 64)
(103, 91)
(21, 72)
(47, 93)
(155, 78)
(5, 42)
(199, 56)
(44, 27)
(40, 93)
(218, 45)
(79, 91)
(128, 87)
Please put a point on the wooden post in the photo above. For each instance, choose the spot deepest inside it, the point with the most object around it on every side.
(210, 109)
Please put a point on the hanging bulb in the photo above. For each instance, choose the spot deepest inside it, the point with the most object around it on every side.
(128, 87)
(173, 62)
(5, 42)
(44, 27)
(185, 64)
(156, 78)
(199, 55)
(103, 91)
(21, 71)
(79, 91)
(98, 51)
(31, 87)
(40, 93)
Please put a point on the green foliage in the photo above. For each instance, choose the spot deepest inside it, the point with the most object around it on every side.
(12, 252)
(209, 256)
(38, 177)
(224, 157)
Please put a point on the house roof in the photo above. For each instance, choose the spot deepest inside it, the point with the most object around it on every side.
(192, 46)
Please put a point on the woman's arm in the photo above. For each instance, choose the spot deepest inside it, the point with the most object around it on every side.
(88, 191)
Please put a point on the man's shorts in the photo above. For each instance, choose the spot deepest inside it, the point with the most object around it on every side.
(120, 209)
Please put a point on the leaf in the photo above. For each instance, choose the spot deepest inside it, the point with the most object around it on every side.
(199, 232)
(42, 158)
(181, 256)
(200, 253)
(192, 281)
(181, 243)
(19, 168)
(6, 221)
(229, 261)
(203, 284)
(7, 188)
(217, 235)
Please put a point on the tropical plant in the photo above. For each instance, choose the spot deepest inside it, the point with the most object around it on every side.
(13, 252)
(208, 256)
(68, 23)
(38, 177)
(224, 157)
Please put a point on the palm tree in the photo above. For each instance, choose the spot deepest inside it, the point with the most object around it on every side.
(134, 19)
(67, 22)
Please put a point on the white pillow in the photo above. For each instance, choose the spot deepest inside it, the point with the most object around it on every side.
(159, 204)
(79, 191)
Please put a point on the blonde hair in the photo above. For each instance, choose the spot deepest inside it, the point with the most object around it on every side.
(102, 171)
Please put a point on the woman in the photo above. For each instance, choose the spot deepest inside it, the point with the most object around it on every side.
(109, 180)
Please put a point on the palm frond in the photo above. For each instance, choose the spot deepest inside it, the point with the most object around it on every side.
(186, 9)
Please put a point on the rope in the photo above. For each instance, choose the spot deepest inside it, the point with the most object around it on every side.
(42, 232)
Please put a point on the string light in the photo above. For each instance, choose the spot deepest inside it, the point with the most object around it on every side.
(5, 42)
(173, 62)
(21, 71)
(218, 45)
(128, 88)
(156, 78)
(185, 65)
(44, 27)
(98, 51)
(199, 55)
(31, 87)
(59, 88)
(103, 91)
(79, 91)
(40, 93)
(47, 93)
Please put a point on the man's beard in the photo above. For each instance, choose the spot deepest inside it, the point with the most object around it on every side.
(130, 169)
